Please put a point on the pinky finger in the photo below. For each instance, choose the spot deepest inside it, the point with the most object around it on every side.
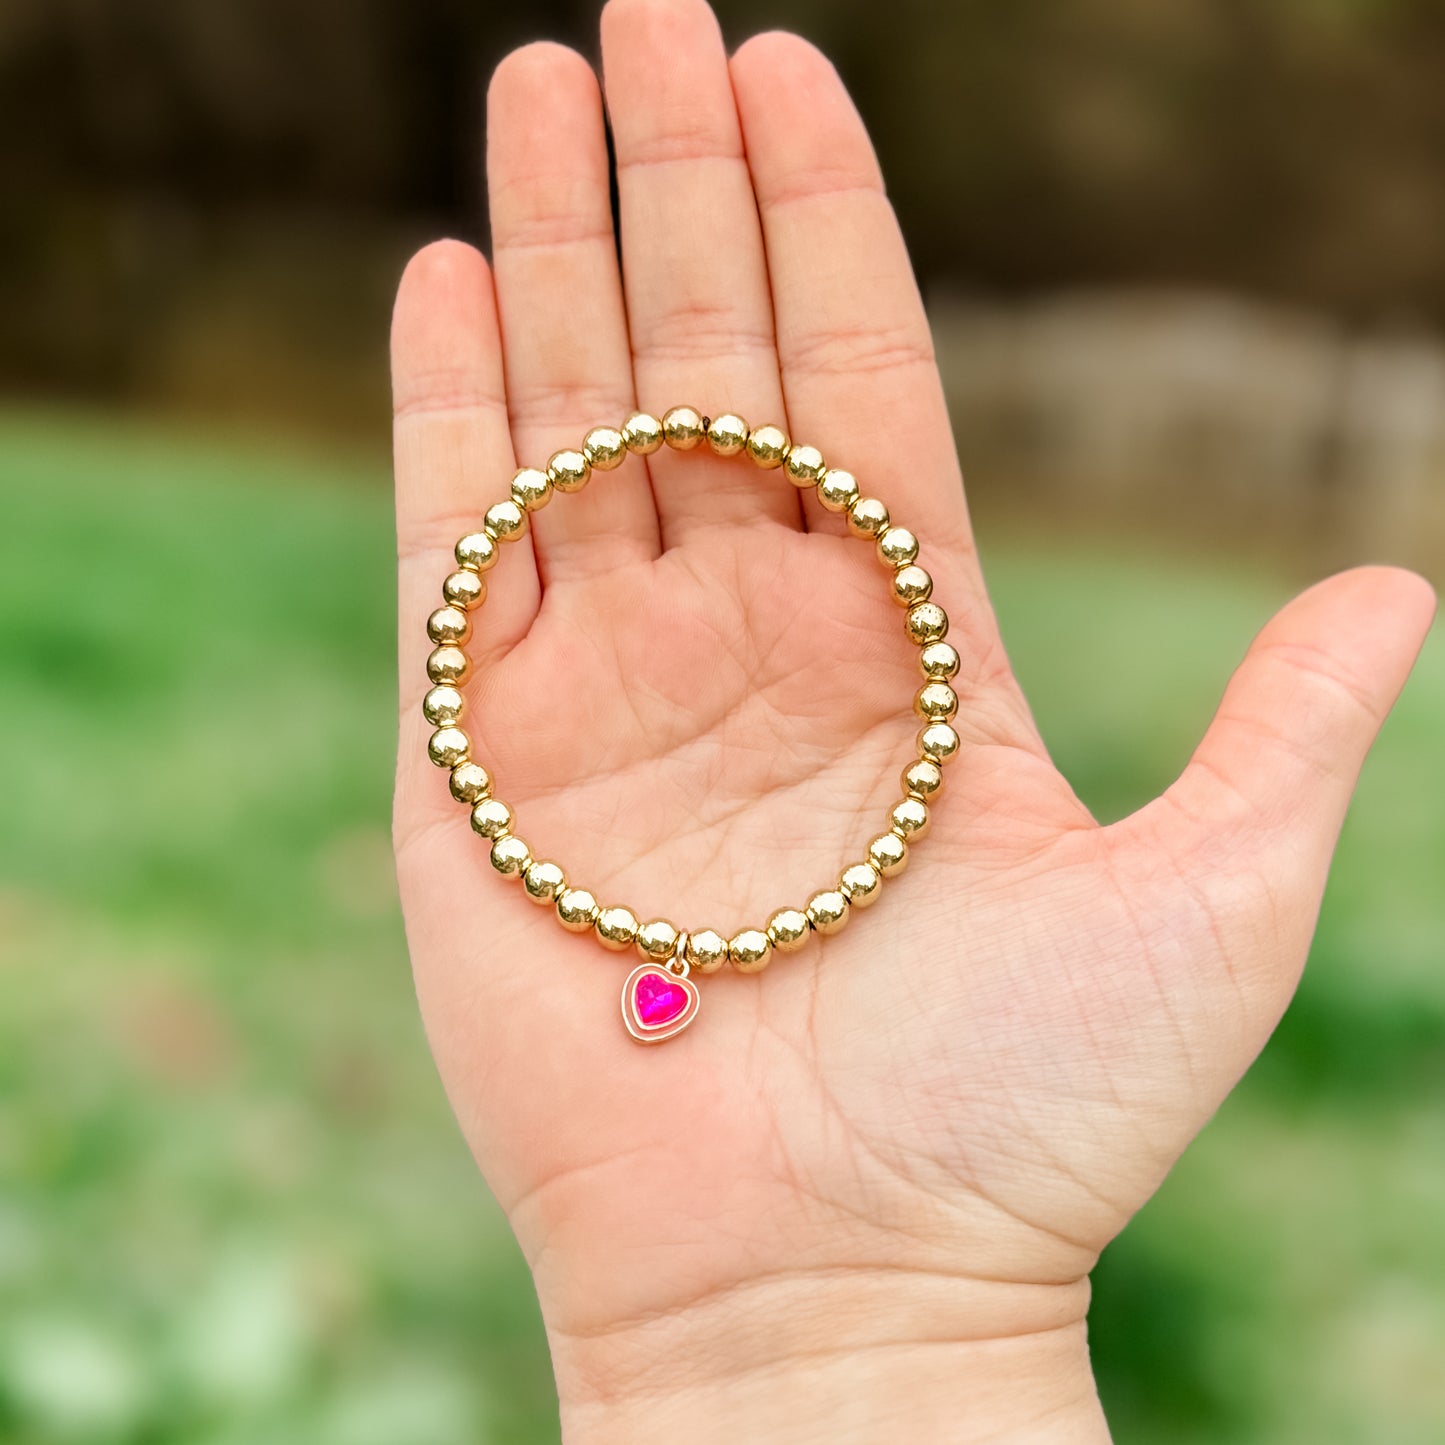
(453, 452)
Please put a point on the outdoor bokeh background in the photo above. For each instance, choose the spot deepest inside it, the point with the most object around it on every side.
(1187, 264)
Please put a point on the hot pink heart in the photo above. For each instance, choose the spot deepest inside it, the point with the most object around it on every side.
(659, 999)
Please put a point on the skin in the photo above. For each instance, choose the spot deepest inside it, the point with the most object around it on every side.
(862, 1194)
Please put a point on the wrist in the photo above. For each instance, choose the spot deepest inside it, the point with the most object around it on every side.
(843, 1357)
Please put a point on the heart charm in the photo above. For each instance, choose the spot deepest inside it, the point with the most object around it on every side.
(657, 1003)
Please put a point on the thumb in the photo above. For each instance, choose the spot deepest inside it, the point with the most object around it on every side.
(1284, 751)
(1252, 821)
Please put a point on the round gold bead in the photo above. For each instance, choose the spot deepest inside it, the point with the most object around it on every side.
(510, 856)
(577, 910)
(867, 517)
(837, 489)
(804, 466)
(448, 663)
(616, 928)
(909, 819)
(750, 951)
(492, 818)
(683, 427)
(568, 470)
(465, 589)
(727, 434)
(936, 702)
(939, 661)
(922, 778)
(898, 547)
(448, 746)
(604, 448)
(938, 742)
(888, 853)
(477, 551)
(506, 521)
(788, 929)
(448, 624)
(860, 884)
(927, 622)
(657, 940)
(642, 432)
(911, 585)
(828, 911)
(443, 706)
(531, 489)
(470, 782)
(543, 881)
(767, 446)
(707, 950)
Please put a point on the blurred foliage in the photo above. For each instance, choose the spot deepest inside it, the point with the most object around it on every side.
(233, 1207)
(244, 178)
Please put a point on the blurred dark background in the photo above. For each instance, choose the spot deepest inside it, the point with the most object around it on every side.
(1186, 264)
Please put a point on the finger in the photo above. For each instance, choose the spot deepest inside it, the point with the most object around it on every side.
(853, 340)
(559, 295)
(696, 281)
(1274, 773)
(453, 453)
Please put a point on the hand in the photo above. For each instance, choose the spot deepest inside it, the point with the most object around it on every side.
(862, 1195)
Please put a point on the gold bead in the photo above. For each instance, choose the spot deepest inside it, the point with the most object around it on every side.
(727, 434)
(898, 547)
(939, 660)
(643, 433)
(767, 446)
(860, 884)
(927, 622)
(531, 489)
(909, 819)
(506, 521)
(828, 911)
(604, 448)
(750, 950)
(707, 950)
(936, 702)
(464, 589)
(938, 742)
(492, 818)
(470, 782)
(616, 928)
(656, 940)
(788, 929)
(477, 551)
(542, 882)
(911, 585)
(448, 663)
(448, 624)
(837, 489)
(448, 746)
(576, 910)
(888, 853)
(568, 470)
(510, 856)
(443, 706)
(683, 428)
(922, 779)
(867, 517)
(804, 466)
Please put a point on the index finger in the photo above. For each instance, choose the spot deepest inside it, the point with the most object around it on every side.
(854, 343)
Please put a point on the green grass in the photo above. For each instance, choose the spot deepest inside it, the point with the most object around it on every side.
(233, 1206)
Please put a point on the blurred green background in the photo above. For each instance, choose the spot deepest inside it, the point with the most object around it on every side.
(1187, 273)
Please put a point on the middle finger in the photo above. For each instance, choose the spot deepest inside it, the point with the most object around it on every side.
(694, 270)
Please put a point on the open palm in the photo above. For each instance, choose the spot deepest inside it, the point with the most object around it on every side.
(694, 691)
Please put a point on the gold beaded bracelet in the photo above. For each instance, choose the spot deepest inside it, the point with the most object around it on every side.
(659, 998)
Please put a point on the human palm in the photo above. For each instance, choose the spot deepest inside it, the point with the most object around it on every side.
(694, 691)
